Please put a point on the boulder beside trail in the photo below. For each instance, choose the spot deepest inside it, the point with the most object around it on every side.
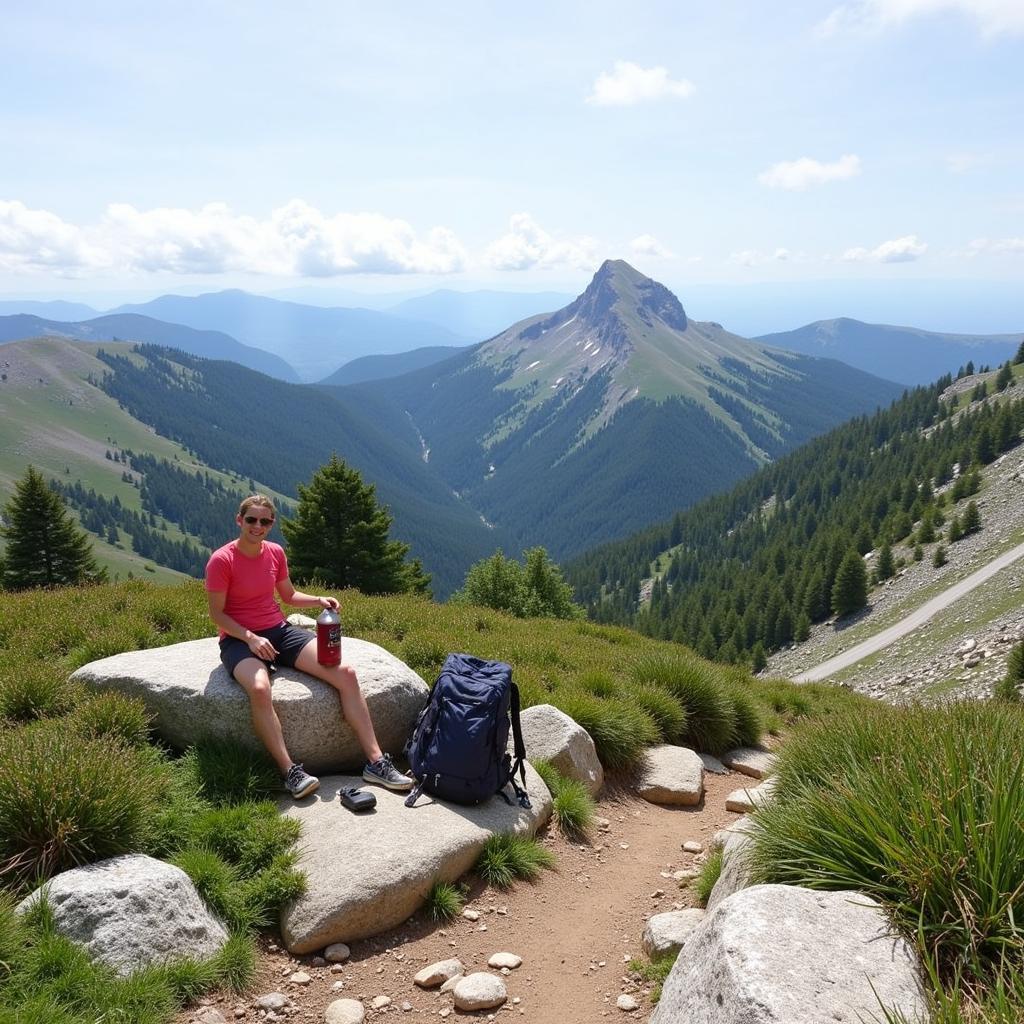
(672, 775)
(132, 911)
(666, 933)
(736, 867)
(551, 735)
(781, 953)
(368, 872)
(190, 694)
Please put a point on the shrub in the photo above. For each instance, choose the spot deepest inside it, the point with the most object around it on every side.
(621, 731)
(534, 589)
(67, 801)
(35, 689)
(113, 717)
(935, 838)
(710, 871)
(668, 713)
(572, 804)
(747, 717)
(505, 858)
(1009, 687)
(444, 901)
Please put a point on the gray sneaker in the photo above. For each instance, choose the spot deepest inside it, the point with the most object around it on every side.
(384, 773)
(299, 782)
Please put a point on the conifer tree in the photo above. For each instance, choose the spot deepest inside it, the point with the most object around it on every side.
(1019, 357)
(939, 558)
(885, 566)
(1004, 377)
(972, 518)
(850, 590)
(956, 530)
(339, 536)
(44, 546)
(1009, 687)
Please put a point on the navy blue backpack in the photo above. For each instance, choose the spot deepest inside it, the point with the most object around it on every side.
(458, 747)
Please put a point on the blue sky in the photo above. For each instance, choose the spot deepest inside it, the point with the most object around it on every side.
(841, 147)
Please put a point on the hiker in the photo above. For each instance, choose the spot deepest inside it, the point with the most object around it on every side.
(241, 578)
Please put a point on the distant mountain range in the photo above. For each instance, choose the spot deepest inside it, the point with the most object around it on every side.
(581, 425)
(385, 367)
(904, 354)
(315, 341)
(132, 327)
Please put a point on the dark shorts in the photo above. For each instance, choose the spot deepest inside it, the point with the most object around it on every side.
(289, 641)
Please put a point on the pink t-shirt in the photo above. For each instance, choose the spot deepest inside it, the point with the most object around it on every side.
(249, 583)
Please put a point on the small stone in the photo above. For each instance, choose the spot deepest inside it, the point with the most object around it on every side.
(509, 960)
(627, 1004)
(209, 1015)
(336, 968)
(338, 986)
(318, 961)
(345, 1011)
(379, 1002)
(272, 1001)
(685, 876)
(436, 974)
(300, 978)
(444, 1012)
(623, 846)
(502, 910)
(471, 915)
(480, 991)
(337, 953)
(657, 894)
(406, 1006)
(452, 982)
(692, 846)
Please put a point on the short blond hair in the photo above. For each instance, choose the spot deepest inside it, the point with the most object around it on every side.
(256, 499)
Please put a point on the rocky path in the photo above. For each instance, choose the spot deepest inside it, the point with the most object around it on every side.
(576, 929)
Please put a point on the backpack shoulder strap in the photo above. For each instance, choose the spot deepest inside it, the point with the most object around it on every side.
(519, 749)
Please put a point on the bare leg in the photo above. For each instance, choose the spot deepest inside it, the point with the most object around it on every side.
(353, 703)
(253, 677)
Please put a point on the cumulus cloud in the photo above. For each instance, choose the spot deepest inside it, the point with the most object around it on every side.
(528, 245)
(629, 83)
(295, 240)
(993, 17)
(648, 245)
(896, 250)
(797, 175)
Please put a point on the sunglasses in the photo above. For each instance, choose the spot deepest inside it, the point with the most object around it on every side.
(252, 520)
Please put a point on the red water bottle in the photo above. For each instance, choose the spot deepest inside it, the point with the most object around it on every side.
(328, 637)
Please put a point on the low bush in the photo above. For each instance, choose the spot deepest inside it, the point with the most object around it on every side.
(920, 808)
(30, 690)
(112, 717)
(621, 730)
(66, 800)
(506, 858)
(666, 710)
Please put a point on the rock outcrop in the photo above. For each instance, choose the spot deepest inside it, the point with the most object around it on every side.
(132, 911)
(672, 775)
(781, 953)
(191, 695)
(369, 872)
(551, 735)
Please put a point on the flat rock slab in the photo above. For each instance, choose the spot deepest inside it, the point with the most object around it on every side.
(132, 911)
(672, 775)
(774, 953)
(190, 694)
(745, 800)
(551, 735)
(368, 872)
(750, 761)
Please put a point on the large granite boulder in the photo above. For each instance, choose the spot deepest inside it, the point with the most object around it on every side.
(673, 776)
(190, 695)
(551, 735)
(776, 953)
(132, 911)
(368, 872)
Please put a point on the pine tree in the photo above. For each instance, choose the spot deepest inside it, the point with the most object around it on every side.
(972, 518)
(44, 546)
(339, 536)
(1019, 357)
(1009, 687)
(1004, 377)
(956, 530)
(850, 590)
(939, 558)
(885, 566)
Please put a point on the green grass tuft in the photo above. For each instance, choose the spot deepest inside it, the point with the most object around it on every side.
(709, 874)
(113, 717)
(444, 901)
(31, 690)
(621, 731)
(226, 771)
(572, 804)
(506, 858)
(652, 972)
(664, 708)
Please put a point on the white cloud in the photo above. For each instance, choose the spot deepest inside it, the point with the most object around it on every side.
(992, 16)
(781, 255)
(629, 83)
(1000, 245)
(528, 245)
(295, 240)
(896, 250)
(797, 175)
(648, 245)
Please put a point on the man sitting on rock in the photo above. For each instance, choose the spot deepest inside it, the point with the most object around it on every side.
(241, 578)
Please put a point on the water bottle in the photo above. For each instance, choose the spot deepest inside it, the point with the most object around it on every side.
(328, 637)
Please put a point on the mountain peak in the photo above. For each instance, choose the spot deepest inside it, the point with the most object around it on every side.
(620, 290)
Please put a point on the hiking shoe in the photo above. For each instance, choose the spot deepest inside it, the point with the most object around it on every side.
(384, 773)
(299, 782)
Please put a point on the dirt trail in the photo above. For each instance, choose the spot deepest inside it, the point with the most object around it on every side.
(575, 928)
